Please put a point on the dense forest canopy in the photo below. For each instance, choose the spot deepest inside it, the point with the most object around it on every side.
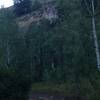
(48, 49)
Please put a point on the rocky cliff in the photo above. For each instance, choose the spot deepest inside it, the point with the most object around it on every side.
(47, 11)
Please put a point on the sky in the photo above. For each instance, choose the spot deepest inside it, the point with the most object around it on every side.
(6, 3)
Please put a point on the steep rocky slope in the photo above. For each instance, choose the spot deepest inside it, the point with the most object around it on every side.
(47, 11)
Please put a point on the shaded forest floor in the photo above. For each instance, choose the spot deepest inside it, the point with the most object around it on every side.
(51, 96)
(42, 91)
(85, 89)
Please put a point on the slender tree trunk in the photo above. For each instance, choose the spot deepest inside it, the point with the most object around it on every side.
(95, 36)
(8, 54)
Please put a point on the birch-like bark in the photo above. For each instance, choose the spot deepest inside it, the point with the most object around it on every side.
(95, 36)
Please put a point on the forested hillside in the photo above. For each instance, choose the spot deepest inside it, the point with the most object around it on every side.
(48, 46)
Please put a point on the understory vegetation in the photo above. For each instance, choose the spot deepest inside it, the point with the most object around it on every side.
(50, 57)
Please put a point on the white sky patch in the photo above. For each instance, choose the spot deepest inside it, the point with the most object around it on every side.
(6, 3)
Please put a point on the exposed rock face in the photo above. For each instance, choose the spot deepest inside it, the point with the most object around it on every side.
(48, 12)
(27, 20)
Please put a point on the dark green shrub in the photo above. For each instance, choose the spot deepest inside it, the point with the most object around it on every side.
(14, 85)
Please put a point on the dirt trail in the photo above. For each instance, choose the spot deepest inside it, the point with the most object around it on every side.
(51, 96)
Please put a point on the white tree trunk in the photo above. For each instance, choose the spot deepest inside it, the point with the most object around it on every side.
(95, 36)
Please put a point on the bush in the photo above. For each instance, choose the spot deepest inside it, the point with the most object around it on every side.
(37, 5)
(13, 85)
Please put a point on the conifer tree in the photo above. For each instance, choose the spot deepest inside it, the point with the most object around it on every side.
(22, 7)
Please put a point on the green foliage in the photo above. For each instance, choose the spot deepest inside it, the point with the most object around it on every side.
(7, 24)
(22, 7)
(36, 5)
(8, 34)
(60, 57)
(13, 84)
(64, 48)
(86, 88)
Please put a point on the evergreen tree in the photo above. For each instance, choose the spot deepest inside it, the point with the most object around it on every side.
(22, 7)
(8, 33)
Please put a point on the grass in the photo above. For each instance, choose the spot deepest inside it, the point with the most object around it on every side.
(45, 87)
(67, 88)
(84, 88)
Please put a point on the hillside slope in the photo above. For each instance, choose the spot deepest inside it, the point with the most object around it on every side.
(49, 50)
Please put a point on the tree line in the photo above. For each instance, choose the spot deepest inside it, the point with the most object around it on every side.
(66, 50)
